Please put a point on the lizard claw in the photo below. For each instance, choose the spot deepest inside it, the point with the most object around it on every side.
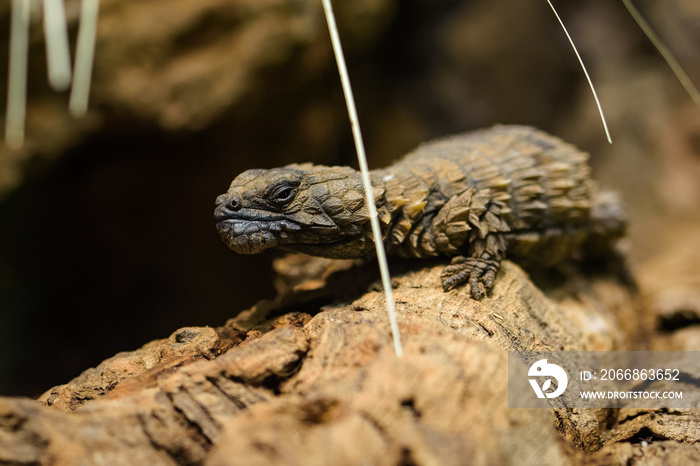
(479, 273)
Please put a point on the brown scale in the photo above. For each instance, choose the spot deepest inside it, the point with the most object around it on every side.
(507, 188)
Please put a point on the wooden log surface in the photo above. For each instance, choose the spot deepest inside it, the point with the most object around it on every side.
(311, 378)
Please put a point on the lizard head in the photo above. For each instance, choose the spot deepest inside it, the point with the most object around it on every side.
(306, 208)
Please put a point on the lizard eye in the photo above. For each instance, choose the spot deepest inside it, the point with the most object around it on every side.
(283, 195)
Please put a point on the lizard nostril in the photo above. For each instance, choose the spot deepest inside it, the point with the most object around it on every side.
(235, 204)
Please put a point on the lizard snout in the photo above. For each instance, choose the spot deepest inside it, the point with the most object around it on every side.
(226, 206)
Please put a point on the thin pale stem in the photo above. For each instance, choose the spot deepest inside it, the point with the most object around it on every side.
(362, 159)
(17, 79)
(57, 51)
(583, 67)
(84, 55)
(665, 52)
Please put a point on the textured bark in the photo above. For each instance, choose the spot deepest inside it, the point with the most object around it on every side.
(311, 378)
(302, 380)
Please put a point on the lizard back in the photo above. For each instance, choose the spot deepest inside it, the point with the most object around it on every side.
(543, 183)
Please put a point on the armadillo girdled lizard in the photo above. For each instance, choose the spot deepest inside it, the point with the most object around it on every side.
(471, 197)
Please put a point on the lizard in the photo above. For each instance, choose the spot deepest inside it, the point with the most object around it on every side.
(472, 197)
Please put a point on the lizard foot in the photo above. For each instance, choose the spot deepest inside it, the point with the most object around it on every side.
(479, 273)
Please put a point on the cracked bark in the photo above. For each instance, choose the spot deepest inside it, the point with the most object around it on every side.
(276, 385)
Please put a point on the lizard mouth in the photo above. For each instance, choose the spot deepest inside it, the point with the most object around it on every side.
(254, 236)
(246, 236)
(222, 214)
(249, 231)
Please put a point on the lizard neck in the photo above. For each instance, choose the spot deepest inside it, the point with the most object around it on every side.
(341, 199)
(406, 211)
(337, 195)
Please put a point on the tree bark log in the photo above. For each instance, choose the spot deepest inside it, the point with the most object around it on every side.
(311, 378)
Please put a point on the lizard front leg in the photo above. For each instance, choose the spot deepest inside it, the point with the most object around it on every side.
(478, 269)
(472, 221)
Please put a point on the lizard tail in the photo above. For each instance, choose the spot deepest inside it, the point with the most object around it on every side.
(608, 216)
(607, 242)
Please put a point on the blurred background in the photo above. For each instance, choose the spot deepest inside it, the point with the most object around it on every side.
(107, 237)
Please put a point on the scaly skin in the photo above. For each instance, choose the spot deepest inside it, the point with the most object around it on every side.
(470, 197)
